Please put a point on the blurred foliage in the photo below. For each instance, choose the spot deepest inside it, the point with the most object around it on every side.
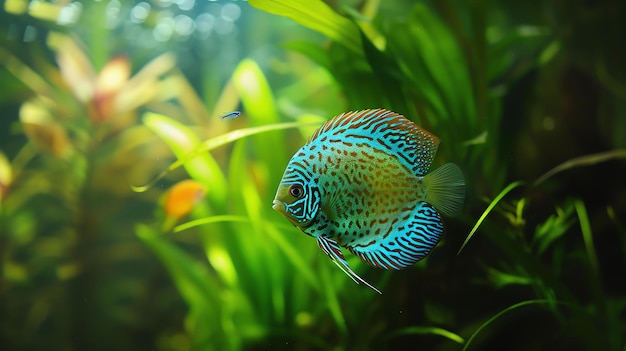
(528, 98)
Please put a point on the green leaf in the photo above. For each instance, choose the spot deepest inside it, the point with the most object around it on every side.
(182, 140)
(316, 15)
(194, 283)
(585, 227)
(493, 204)
(258, 102)
(311, 50)
(553, 228)
(506, 310)
(586, 160)
(388, 76)
(191, 278)
(209, 144)
(500, 279)
(420, 330)
(209, 220)
(431, 58)
(255, 93)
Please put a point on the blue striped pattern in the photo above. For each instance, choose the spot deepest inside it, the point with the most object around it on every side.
(362, 175)
(304, 209)
(413, 240)
(384, 131)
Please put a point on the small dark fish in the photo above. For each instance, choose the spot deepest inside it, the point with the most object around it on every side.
(231, 115)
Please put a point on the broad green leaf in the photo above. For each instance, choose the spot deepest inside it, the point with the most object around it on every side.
(364, 21)
(25, 74)
(258, 102)
(316, 15)
(215, 142)
(254, 256)
(194, 283)
(332, 298)
(191, 278)
(255, 93)
(294, 256)
(6, 174)
(182, 140)
(512, 53)
(431, 58)
(357, 79)
(403, 47)
(388, 76)
(311, 50)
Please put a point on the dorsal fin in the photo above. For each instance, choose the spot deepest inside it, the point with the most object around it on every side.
(385, 131)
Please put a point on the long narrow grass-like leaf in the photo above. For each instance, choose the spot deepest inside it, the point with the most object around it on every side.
(387, 72)
(586, 160)
(216, 142)
(25, 74)
(255, 93)
(504, 311)
(209, 220)
(585, 228)
(420, 330)
(192, 281)
(182, 140)
(553, 228)
(488, 210)
(430, 57)
(316, 15)
(293, 255)
(229, 137)
(254, 257)
(500, 279)
(258, 102)
(446, 61)
(334, 306)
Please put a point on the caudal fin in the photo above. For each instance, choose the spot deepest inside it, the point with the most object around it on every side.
(445, 189)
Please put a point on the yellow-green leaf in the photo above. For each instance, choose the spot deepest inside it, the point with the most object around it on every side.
(182, 141)
(316, 15)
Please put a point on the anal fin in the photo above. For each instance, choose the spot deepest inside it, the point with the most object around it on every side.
(408, 242)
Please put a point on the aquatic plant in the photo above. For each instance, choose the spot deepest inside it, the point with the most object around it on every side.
(58, 191)
(533, 263)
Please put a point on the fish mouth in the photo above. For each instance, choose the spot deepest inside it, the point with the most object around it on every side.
(278, 206)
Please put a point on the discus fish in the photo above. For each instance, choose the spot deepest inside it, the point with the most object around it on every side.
(360, 182)
(231, 115)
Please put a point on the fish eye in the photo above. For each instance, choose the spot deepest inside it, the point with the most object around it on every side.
(296, 190)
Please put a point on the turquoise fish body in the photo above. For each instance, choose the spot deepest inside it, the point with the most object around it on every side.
(360, 182)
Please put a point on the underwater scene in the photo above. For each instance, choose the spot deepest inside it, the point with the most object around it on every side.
(437, 175)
